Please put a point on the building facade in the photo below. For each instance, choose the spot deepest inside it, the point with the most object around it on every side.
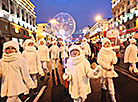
(125, 12)
(17, 18)
(43, 31)
(97, 30)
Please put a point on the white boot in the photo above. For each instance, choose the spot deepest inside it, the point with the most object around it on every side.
(113, 98)
(131, 69)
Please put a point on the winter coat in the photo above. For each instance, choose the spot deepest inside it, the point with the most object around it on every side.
(15, 76)
(33, 60)
(106, 58)
(44, 53)
(78, 68)
(131, 54)
(62, 51)
(86, 47)
(54, 52)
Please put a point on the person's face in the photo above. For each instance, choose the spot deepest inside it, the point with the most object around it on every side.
(75, 53)
(41, 43)
(10, 49)
(31, 44)
(106, 45)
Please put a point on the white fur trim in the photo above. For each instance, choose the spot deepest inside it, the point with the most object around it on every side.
(11, 43)
(132, 41)
(106, 40)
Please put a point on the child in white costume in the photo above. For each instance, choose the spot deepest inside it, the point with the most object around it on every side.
(33, 59)
(86, 48)
(64, 55)
(78, 73)
(106, 58)
(131, 56)
(44, 55)
(54, 49)
(15, 76)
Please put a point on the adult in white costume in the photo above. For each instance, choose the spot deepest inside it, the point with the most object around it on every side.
(131, 56)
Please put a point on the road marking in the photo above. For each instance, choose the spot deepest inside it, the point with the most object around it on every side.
(124, 72)
(40, 93)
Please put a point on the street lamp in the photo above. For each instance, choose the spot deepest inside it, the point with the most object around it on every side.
(98, 18)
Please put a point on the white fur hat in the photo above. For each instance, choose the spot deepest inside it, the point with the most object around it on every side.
(75, 47)
(25, 44)
(106, 40)
(43, 41)
(84, 39)
(132, 41)
(11, 43)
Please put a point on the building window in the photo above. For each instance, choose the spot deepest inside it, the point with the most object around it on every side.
(43, 30)
(128, 26)
(128, 11)
(18, 23)
(128, 2)
(11, 3)
(18, 15)
(43, 26)
(23, 32)
(22, 11)
(3, 7)
(135, 24)
(12, 11)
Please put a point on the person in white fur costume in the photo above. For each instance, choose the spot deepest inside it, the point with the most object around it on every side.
(78, 73)
(13, 70)
(54, 49)
(86, 48)
(33, 59)
(131, 56)
(64, 55)
(44, 55)
(106, 58)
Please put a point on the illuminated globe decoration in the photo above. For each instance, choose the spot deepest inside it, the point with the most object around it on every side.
(63, 25)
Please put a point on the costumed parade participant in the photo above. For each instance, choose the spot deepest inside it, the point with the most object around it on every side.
(86, 48)
(78, 74)
(131, 56)
(44, 55)
(15, 76)
(33, 59)
(106, 58)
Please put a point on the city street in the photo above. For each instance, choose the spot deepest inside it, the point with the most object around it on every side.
(126, 87)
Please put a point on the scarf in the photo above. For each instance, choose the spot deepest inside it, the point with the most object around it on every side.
(30, 48)
(106, 50)
(10, 57)
(76, 60)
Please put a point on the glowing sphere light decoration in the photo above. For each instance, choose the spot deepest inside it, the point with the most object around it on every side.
(63, 25)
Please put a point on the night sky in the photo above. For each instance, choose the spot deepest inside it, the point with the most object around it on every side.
(83, 11)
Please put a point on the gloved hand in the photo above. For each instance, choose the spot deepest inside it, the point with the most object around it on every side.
(42, 78)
